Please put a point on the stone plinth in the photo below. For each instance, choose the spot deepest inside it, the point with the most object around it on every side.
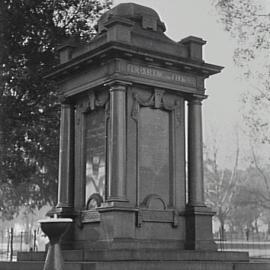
(141, 259)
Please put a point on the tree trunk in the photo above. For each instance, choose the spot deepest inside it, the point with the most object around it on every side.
(222, 229)
(3, 52)
(256, 226)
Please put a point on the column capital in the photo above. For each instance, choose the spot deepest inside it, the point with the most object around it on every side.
(196, 99)
(118, 85)
(64, 100)
(66, 105)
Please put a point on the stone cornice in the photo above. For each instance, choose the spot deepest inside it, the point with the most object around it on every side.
(113, 50)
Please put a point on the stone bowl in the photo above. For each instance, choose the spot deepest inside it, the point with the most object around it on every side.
(54, 228)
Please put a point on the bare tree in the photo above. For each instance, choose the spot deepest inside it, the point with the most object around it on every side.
(221, 185)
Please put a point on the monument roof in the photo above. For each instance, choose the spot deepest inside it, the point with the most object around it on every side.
(135, 13)
(135, 32)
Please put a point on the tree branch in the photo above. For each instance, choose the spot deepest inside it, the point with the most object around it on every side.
(73, 16)
(266, 180)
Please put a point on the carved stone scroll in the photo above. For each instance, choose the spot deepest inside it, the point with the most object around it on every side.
(156, 101)
(100, 100)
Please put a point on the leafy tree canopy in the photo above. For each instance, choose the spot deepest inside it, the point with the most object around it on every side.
(30, 31)
(248, 21)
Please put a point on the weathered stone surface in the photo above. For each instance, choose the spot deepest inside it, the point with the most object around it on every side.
(141, 265)
(140, 254)
(252, 266)
(39, 266)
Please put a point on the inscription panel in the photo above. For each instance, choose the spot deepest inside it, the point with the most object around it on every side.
(90, 216)
(154, 172)
(167, 216)
(157, 73)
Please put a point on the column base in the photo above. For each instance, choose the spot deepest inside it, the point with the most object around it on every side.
(119, 205)
(199, 235)
(61, 211)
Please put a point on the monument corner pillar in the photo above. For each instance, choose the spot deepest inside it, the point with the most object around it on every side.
(195, 153)
(66, 160)
(198, 215)
(117, 146)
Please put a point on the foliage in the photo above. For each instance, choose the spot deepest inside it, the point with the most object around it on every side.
(243, 217)
(248, 21)
(30, 31)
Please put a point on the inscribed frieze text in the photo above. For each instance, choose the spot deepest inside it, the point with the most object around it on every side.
(160, 74)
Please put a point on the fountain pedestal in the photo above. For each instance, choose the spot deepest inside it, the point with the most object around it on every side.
(54, 228)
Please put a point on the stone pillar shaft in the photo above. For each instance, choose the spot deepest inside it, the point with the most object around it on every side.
(66, 158)
(198, 217)
(117, 146)
(195, 154)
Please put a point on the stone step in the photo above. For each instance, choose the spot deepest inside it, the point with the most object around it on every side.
(164, 255)
(39, 266)
(141, 254)
(140, 265)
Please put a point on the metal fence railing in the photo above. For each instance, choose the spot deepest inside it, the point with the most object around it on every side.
(12, 242)
(256, 244)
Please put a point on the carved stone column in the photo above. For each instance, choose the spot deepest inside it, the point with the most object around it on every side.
(195, 154)
(66, 158)
(198, 217)
(117, 144)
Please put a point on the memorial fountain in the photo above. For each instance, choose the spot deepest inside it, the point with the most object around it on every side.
(135, 200)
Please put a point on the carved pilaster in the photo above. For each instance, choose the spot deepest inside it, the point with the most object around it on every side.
(198, 216)
(117, 145)
(195, 153)
(66, 158)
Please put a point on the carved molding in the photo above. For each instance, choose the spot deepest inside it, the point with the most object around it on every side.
(151, 197)
(89, 216)
(157, 216)
(95, 101)
(156, 101)
(163, 215)
(138, 102)
(96, 198)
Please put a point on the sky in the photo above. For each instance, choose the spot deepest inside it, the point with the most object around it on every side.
(183, 18)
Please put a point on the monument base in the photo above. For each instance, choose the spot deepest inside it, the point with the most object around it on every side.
(199, 228)
(144, 259)
(140, 265)
(159, 255)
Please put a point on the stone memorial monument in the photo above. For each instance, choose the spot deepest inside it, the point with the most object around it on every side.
(131, 161)
(123, 175)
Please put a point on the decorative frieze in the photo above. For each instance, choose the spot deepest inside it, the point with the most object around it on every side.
(156, 101)
(157, 73)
